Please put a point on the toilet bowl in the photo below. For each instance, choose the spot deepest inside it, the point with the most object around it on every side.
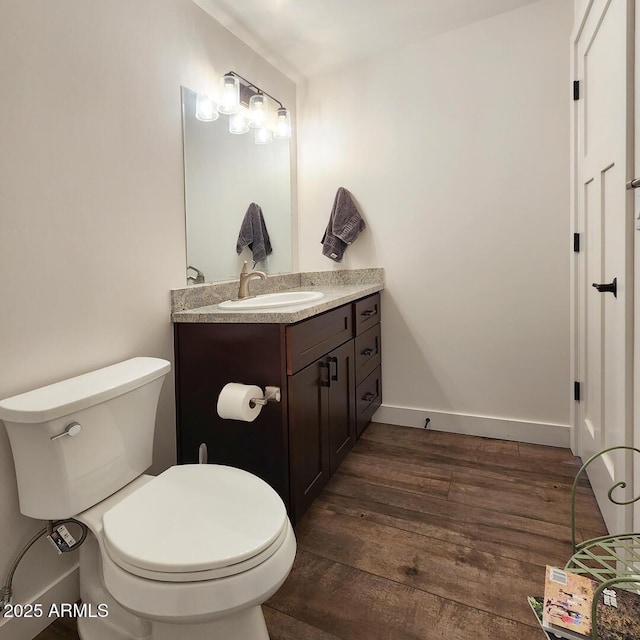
(191, 553)
(202, 545)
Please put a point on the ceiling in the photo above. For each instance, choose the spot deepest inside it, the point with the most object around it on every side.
(304, 38)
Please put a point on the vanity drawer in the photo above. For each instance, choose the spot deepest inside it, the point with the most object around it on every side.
(368, 399)
(366, 313)
(367, 353)
(311, 339)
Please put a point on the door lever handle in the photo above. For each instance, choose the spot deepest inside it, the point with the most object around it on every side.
(611, 287)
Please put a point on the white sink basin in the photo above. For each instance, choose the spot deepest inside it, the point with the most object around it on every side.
(272, 300)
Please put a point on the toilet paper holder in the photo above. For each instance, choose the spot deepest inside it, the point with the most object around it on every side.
(271, 394)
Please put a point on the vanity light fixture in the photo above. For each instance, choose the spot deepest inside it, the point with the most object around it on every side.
(247, 107)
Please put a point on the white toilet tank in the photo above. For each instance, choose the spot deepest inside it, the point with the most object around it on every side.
(115, 409)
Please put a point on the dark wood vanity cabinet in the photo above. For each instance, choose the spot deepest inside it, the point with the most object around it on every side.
(322, 426)
(328, 370)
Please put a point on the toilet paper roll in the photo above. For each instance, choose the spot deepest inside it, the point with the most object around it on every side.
(234, 401)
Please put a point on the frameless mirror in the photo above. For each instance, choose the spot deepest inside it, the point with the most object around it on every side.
(224, 174)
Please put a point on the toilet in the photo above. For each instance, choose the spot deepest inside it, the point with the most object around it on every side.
(191, 553)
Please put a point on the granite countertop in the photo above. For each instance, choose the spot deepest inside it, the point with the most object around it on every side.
(334, 296)
(339, 287)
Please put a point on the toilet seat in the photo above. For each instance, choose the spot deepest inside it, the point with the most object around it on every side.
(195, 522)
(197, 576)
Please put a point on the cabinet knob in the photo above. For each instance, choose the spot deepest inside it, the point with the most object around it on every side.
(368, 313)
(369, 352)
(369, 396)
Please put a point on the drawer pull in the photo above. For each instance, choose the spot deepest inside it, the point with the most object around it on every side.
(369, 396)
(369, 352)
(333, 360)
(327, 382)
(368, 313)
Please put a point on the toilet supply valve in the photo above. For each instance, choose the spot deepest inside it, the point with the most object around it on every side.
(55, 531)
(271, 394)
(61, 539)
(72, 429)
(5, 598)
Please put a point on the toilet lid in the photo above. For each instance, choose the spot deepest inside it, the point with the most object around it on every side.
(195, 518)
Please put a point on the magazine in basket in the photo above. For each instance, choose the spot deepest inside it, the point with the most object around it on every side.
(567, 611)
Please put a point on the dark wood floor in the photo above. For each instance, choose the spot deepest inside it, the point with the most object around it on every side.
(424, 535)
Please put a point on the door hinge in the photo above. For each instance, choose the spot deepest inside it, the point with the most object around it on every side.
(576, 89)
(576, 391)
(576, 242)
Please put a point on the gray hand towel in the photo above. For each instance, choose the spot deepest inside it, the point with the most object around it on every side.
(254, 234)
(345, 223)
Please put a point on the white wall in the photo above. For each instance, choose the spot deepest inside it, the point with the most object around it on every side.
(580, 7)
(91, 202)
(457, 150)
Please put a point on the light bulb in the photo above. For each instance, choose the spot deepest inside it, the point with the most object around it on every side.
(230, 95)
(238, 124)
(283, 124)
(206, 109)
(257, 111)
(263, 135)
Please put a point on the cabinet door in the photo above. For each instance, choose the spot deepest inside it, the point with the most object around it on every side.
(308, 434)
(341, 405)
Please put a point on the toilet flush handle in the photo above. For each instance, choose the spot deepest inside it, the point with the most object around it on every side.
(72, 429)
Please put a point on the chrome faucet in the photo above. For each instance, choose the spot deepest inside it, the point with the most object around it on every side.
(245, 279)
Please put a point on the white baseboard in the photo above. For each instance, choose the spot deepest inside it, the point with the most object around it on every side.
(553, 435)
(65, 589)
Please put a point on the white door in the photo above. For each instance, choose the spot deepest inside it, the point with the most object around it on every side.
(636, 303)
(603, 154)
